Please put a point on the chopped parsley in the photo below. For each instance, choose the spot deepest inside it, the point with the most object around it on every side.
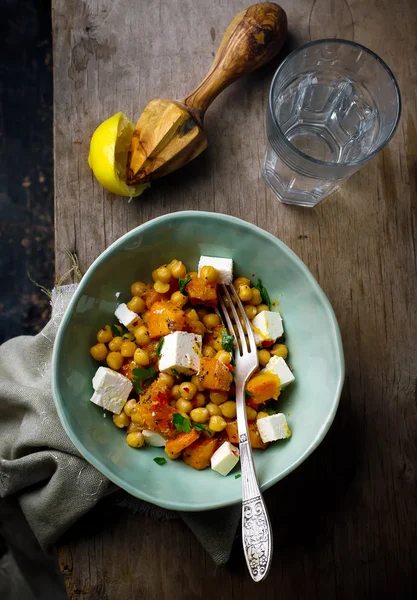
(248, 395)
(159, 460)
(159, 347)
(238, 476)
(183, 283)
(264, 293)
(272, 407)
(142, 376)
(227, 341)
(202, 427)
(181, 423)
(115, 330)
(174, 372)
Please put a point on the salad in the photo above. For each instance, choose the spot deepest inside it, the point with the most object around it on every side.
(167, 367)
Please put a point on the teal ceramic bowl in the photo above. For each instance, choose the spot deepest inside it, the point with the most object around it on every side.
(311, 332)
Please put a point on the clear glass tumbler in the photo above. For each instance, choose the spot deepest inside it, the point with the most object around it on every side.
(333, 105)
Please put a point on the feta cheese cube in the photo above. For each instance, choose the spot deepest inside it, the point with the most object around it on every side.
(181, 351)
(125, 315)
(223, 265)
(273, 428)
(267, 326)
(225, 458)
(111, 390)
(153, 439)
(278, 366)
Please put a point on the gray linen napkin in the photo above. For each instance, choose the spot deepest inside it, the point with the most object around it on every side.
(39, 464)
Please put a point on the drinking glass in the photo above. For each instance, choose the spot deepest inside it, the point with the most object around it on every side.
(333, 105)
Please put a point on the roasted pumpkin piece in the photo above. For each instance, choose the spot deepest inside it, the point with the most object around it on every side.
(151, 296)
(153, 411)
(214, 375)
(214, 338)
(254, 435)
(199, 453)
(201, 291)
(165, 318)
(263, 387)
(176, 445)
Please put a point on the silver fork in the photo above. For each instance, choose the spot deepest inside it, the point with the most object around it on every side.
(256, 527)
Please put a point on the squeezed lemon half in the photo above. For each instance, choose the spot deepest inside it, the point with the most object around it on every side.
(108, 155)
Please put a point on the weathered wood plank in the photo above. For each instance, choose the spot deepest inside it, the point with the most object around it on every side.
(345, 521)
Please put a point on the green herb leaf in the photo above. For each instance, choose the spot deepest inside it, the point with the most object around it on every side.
(115, 330)
(227, 341)
(238, 476)
(202, 427)
(272, 408)
(181, 423)
(248, 395)
(159, 460)
(142, 376)
(183, 283)
(174, 372)
(264, 293)
(159, 347)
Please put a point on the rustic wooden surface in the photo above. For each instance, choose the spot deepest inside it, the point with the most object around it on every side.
(345, 522)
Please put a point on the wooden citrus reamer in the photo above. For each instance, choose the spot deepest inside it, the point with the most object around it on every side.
(168, 133)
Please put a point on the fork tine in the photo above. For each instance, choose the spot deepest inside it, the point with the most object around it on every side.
(249, 329)
(226, 317)
(237, 320)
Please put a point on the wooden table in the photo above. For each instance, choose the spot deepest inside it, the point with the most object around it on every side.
(345, 522)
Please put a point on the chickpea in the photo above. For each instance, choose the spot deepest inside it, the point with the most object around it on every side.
(116, 343)
(199, 400)
(250, 413)
(280, 350)
(245, 293)
(261, 415)
(241, 281)
(99, 352)
(196, 381)
(161, 287)
(184, 405)
(114, 360)
(121, 420)
(179, 299)
(127, 349)
(129, 336)
(137, 418)
(263, 357)
(198, 328)
(104, 335)
(188, 390)
(192, 274)
(175, 392)
(135, 439)
(199, 415)
(133, 427)
(218, 397)
(261, 308)
(138, 288)
(137, 304)
(224, 357)
(155, 275)
(192, 315)
(167, 379)
(256, 299)
(217, 423)
(210, 274)
(164, 274)
(142, 335)
(213, 409)
(129, 406)
(202, 311)
(228, 409)
(178, 269)
(211, 320)
(208, 352)
(141, 357)
(251, 311)
(145, 316)
(185, 415)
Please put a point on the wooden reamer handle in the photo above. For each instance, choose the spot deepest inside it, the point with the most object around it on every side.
(253, 37)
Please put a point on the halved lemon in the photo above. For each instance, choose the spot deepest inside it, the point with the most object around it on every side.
(108, 155)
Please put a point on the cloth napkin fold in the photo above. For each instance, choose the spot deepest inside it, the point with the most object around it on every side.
(41, 468)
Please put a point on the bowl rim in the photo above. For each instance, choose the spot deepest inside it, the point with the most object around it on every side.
(95, 461)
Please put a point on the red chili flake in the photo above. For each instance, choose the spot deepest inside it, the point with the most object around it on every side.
(267, 343)
(186, 389)
(231, 368)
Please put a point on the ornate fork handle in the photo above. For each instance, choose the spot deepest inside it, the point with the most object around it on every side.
(256, 528)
